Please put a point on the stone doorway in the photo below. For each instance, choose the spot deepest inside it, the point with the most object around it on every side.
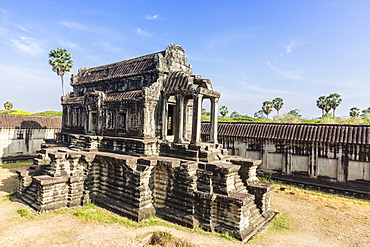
(171, 120)
(92, 122)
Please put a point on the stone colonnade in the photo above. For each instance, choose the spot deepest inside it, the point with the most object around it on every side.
(180, 120)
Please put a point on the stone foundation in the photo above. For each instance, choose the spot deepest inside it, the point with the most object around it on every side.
(222, 195)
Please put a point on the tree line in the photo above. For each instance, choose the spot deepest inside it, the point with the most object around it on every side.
(328, 104)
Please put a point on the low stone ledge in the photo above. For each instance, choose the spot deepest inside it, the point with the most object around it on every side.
(239, 199)
(48, 180)
(221, 167)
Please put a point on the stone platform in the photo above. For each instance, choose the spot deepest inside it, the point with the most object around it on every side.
(223, 195)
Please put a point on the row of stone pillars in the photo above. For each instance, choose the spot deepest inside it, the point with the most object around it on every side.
(180, 119)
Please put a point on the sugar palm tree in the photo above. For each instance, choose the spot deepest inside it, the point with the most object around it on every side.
(322, 103)
(354, 112)
(224, 111)
(61, 63)
(8, 105)
(334, 101)
(267, 108)
(278, 104)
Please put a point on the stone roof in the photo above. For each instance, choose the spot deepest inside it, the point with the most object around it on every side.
(29, 122)
(124, 96)
(351, 134)
(178, 81)
(135, 66)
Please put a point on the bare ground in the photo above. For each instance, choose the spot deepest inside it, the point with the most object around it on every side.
(315, 219)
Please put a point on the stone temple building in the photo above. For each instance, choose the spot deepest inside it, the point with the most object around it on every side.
(131, 142)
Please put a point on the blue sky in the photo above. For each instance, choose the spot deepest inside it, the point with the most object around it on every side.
(252, 51)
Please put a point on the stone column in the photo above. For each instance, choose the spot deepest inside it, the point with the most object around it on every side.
(185, 122)
(179, 121)
(164, 118)
(197, 116)
(214, 110)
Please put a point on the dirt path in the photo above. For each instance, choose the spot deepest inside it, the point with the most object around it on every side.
(315, 220)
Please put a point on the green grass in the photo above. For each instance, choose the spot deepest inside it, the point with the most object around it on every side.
(23, 212)
(9, 165)
(267, 179)
(10, 197)
(91, 212)
(280, 223)
(227, 236)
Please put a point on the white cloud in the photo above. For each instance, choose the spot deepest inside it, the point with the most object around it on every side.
(68, 44)
(107, 46)
(143, 33)
(289, 48)
(22, 28)
(290, 74)
(152, 17)
(27, 45)
(73, 25)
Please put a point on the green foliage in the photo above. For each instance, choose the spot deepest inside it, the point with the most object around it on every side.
(334, 101)
(10, 197)
(259, 115)
(24, 212)
(8, 105)
(20, 112)
(61, 63)
(365, 112)
(328, 103)
(267, 108)
(295, 113)
(205, 112)
(235, 114)
(49, 113)
(224, 111)
(278, 104)
(354, 112)
(267, 179)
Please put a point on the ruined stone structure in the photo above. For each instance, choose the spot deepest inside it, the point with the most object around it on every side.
(22, 136)
(130, 142)
(333, 158)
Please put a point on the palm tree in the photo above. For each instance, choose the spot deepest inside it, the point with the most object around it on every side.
(321, 104)
(354, 112)
(224, 111)
(278, 104)
(334, 101)
(267, 108)
(61, 63)
(8, 105)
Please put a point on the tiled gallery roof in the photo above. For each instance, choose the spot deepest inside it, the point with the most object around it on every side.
(125, 68)
(177, 81)
(74, 100)
(352, 134)
(29, 122)
(129, 95)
